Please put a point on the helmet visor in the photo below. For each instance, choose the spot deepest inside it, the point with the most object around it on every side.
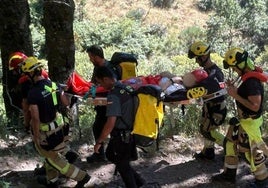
(191, 54)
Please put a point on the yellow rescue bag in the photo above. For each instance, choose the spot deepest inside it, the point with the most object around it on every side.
(124, 64)
(149, 115)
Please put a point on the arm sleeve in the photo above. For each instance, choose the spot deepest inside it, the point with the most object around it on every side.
(113, 109)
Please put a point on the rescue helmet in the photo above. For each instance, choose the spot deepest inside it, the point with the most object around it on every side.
(237, 57)
(200, 74)
(198, 49)
(31, 64)
(191, 79)
(15, 60)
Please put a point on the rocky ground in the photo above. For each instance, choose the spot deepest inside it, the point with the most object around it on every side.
(172, 166)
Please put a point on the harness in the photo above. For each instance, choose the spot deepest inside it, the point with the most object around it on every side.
(52, 90)
(58, 121)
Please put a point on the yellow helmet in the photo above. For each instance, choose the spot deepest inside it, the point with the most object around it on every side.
(30, 64)
(198, 49)
(234, 57)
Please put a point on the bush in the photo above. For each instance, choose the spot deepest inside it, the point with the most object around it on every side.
(205, 5)
(162, 3)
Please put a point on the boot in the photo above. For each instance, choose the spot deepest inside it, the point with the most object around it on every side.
(260, 184)
(71, 156)
(80, 184)
(40, 171)
(139, 180)
(96, 157)
(227, 176)
(208, 153)
(43, 181)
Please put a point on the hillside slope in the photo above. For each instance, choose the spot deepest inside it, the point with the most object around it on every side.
(181, 15)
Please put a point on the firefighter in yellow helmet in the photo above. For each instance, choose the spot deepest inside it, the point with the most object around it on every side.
(214, 111)
(48, 126)
(244, 134)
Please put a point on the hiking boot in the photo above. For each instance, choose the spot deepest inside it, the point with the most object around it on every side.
(43, 181)
(80, 184)
(139, 180)
(208, 154)
(96, 157)
(228, 176)
(259, 184)
(71, 156)
(40, 171)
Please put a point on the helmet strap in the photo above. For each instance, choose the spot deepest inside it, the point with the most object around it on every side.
(203, 62)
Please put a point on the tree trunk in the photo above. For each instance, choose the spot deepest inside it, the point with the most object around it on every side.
(58, 23)
(14, 36)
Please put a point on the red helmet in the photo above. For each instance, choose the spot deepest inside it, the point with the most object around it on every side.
(15, 59)
(194, 77)
(199, 75)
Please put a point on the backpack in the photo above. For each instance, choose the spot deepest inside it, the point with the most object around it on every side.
(149, 113)
(124, 65)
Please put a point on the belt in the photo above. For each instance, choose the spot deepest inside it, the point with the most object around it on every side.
(48, 126)
(58, 122)
(119, 133)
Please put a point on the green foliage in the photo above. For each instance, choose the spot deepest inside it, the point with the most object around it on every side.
(162, 3)
(187, 122)
(80, 12)
(36, 12)
(189, 36)
(136, 14)
(262, 59)
(83, 66)
(3, 117)
(205, 5)
(183, 64)
(236, 23)
(38, 35)
(37, 30)
(127, 35)
(4, 184)
(86, 119)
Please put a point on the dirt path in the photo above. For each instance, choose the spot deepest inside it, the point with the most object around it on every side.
(170, 167)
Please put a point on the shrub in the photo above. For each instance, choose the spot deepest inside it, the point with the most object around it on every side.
(205, 5)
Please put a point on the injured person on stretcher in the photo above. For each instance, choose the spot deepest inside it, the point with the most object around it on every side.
(186, 89)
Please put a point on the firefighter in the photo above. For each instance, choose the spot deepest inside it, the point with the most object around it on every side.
(249, 99)
(48, 127)
(15, 61)
(24, 83)
(214, 111)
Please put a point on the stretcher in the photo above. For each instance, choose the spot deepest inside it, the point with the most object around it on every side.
(180, 96)
(197, 101)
